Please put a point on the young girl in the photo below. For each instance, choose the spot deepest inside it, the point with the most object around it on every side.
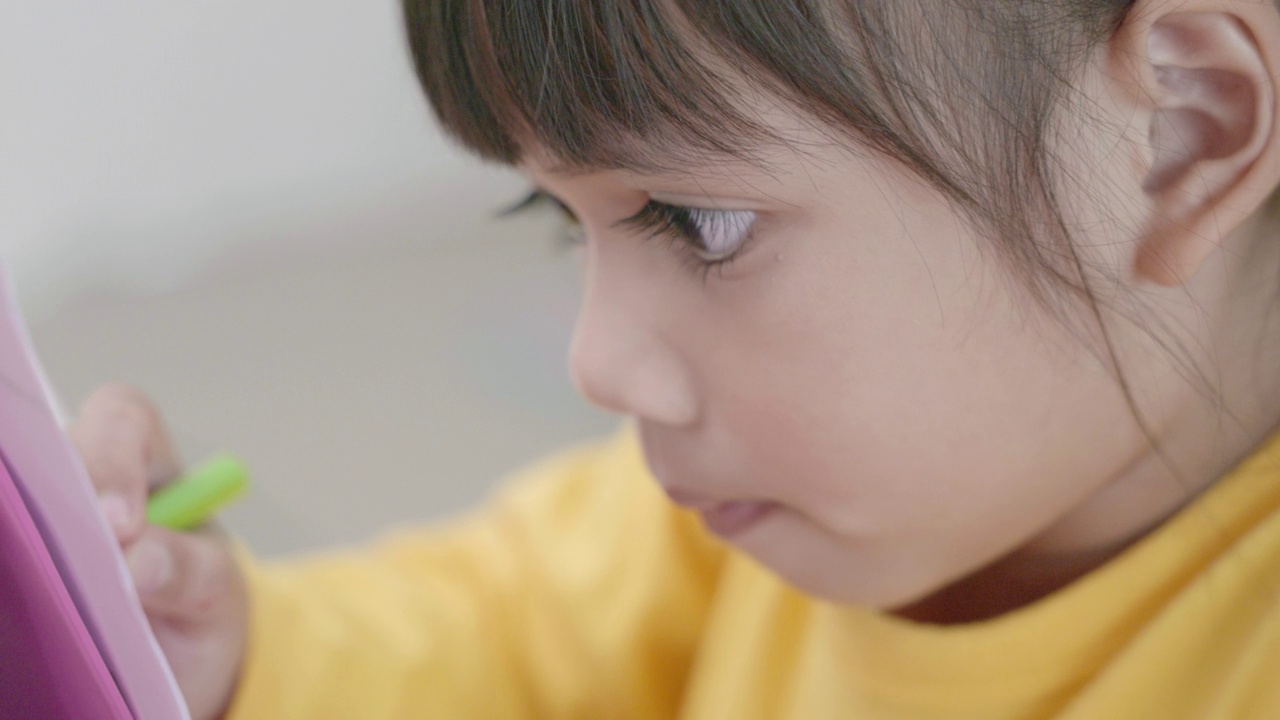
(948, 336)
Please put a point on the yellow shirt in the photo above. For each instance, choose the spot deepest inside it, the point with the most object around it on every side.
(582, 593)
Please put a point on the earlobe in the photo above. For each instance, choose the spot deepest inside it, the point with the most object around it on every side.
(1210, 86)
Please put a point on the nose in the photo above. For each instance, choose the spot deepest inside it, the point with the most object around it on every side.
(620, 360)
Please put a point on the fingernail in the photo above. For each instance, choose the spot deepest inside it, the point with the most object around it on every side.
(150, 564)
(117, 513)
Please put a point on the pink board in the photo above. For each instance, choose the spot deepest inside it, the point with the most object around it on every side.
(49, 491)
(50, 667)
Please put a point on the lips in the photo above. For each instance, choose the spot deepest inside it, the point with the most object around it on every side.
(726, 519)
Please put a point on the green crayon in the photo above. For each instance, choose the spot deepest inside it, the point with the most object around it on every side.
(193, 498)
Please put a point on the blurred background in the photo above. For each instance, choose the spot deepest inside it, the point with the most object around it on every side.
(244, 208)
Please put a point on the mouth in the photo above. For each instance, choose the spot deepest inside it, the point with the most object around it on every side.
(728, 519)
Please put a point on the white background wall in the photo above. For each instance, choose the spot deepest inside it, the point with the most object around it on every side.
(141, 135)
(243, 207)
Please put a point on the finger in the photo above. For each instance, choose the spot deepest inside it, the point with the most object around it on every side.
(182, 576)
(121, 438)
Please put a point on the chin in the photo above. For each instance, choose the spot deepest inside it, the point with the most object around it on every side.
(837, 569)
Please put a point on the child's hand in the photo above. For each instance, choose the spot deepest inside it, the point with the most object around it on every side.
(190, 587)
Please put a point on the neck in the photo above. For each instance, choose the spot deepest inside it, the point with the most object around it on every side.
(1012, 583)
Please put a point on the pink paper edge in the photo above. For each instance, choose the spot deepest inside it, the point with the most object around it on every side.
(39, 450)
(74, 624)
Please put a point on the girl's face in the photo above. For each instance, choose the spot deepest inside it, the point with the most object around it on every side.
(828, 363)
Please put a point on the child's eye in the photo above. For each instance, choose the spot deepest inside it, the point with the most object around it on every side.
(712, 236)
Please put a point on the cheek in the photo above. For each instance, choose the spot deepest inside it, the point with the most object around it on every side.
(897, 392)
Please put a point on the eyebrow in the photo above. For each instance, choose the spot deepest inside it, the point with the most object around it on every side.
(536, 196)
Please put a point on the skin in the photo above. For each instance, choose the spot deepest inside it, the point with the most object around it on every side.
(188, 583)
(929, 438)
(925, 437)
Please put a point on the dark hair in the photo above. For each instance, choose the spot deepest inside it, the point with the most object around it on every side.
(966, 93)
(961, 92)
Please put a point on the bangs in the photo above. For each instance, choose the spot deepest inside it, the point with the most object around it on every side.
(964, 93)
(607, 84)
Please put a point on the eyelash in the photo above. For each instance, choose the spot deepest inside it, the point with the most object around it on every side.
(672, 223)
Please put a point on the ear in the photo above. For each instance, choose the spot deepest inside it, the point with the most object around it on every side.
(1202, 77)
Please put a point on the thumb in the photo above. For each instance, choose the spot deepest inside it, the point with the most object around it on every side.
(181, 575)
